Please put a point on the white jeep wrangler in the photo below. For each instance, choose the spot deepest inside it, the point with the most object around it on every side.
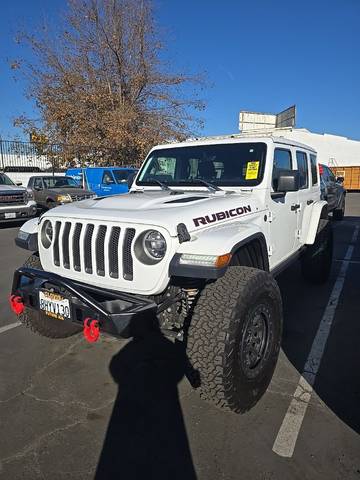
(192, 249)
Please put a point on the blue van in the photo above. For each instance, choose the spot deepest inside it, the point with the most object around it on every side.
(103, 180)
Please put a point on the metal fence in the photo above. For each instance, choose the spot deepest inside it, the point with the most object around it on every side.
(33, 157)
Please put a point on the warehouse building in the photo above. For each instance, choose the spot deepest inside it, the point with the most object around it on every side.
(340, 153)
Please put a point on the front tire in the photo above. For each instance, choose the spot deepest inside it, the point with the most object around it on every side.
(39, 322)
(234, 337)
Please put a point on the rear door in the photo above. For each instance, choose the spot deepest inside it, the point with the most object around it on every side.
(309, 191)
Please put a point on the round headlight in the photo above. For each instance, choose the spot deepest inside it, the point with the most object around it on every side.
(154, 245)
(47, 234)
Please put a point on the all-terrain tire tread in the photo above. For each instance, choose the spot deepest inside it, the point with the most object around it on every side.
(213, 325)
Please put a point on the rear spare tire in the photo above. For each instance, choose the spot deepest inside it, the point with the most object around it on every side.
(234, 337)
(39, 322)
(317, 259)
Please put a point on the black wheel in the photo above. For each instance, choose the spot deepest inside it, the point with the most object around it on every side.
(338, 213)
(317, 258)
(234, 337)
(41, 323)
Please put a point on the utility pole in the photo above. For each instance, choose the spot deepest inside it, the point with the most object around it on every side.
(1, 153)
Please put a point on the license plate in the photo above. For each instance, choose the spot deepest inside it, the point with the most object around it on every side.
(54, 305)
(10, 215)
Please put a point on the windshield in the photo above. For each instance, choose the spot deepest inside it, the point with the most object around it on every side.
(121, 176)
(5, 180)
(60, 182)
(237, 164)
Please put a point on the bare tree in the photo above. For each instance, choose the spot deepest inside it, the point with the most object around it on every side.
(100, 80)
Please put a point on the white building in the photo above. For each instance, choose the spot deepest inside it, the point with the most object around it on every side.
(333, 150)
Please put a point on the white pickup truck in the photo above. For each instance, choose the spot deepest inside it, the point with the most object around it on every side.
(192, 250)
(16, 202)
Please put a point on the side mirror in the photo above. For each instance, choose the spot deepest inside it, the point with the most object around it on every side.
(340, 179)
(131, 179)
(288, 181)
(37, 189)
(19, 184)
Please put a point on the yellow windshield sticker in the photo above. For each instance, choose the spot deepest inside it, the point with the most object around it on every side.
(252, 170)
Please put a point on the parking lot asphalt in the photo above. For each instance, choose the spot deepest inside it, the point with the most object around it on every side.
(74, 410)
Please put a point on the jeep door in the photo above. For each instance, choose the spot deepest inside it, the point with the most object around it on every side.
(309, 191)
(283, 217)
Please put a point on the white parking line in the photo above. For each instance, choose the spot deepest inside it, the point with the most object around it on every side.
(9, 327)
(285, 441)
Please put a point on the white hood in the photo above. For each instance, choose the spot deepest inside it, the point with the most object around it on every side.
(196, 209)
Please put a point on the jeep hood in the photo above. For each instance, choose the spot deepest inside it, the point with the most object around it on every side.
(197, 210)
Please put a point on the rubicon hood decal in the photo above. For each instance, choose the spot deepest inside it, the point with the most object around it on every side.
(215, 217)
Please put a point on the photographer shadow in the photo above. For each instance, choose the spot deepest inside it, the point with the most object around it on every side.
(146, 435)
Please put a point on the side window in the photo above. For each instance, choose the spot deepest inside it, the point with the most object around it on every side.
(314, 175)
(323, 173)
(302, 163)
(38, 183)
(282, 161)
(107, 178)
(331, 175)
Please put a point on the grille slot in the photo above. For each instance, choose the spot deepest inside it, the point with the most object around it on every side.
(113, 252)
(127, 256)
(56, 244)
(99, 249)
(65, 245)
(76, 247)
(87, 248)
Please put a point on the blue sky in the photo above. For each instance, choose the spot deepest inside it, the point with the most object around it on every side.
(259, 55)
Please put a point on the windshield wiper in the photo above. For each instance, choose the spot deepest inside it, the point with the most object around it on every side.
(210, 186)
(161, 184)
(165, 187)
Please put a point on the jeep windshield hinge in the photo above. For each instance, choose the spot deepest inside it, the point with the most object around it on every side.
(183, 234)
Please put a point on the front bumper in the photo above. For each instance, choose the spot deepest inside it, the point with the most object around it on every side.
(17, 212)
(114, 311)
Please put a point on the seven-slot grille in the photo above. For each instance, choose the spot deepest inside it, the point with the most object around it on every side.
(101, 250)
(14, 198)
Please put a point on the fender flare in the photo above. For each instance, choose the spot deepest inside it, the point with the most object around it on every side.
(217, 241)
(319, 210)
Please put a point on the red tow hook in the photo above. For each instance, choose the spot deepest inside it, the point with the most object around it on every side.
(91, 330)
(16, 304)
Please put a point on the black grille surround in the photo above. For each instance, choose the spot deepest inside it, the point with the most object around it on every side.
(100, 250)
(88, 248)
(128, 272)
(113, 252)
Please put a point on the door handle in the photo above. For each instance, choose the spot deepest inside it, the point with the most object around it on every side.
(309, 202)
(295, 207)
